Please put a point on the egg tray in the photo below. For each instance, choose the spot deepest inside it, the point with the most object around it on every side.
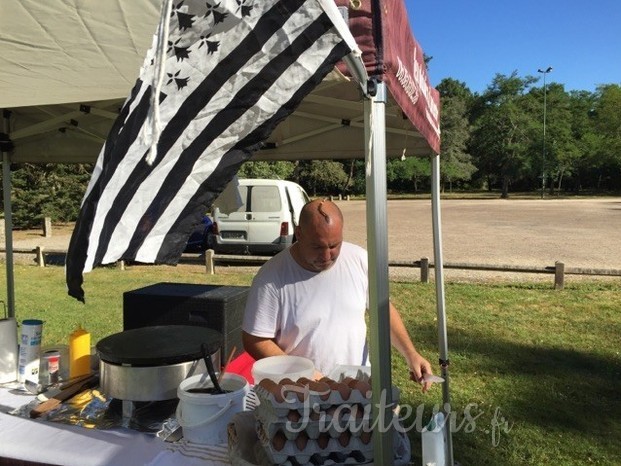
(315, 451)
(332, 459)
(311, 399)
(268, 404)
(317, 422)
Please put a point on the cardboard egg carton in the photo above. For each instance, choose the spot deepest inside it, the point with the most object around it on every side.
(346, 449)
(353, 418)
(300, 398)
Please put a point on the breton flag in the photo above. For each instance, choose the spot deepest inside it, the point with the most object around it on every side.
(233, 69)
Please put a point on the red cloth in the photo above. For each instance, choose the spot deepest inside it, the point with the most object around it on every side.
(242, 365)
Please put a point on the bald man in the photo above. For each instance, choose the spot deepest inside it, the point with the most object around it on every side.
(310, 300)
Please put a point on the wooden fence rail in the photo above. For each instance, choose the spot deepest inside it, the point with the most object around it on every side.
(210, 260)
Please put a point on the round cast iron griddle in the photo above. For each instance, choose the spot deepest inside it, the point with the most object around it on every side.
(159, 345)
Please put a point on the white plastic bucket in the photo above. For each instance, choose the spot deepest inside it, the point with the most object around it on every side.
(277, 368)
(204, 417)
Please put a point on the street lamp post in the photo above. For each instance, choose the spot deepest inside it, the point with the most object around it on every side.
(543, 159)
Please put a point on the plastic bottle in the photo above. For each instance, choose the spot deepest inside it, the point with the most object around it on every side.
(30, 350)
(434, 442)
(79, 353)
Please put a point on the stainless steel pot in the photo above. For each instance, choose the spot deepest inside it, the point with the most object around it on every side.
(154, 383)
(149, 363)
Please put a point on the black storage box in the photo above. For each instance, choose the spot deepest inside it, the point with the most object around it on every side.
(217, 307)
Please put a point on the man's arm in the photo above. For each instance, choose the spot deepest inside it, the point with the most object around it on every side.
(259, 347)
(400, 339)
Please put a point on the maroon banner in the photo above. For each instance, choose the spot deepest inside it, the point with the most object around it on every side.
(391, 53)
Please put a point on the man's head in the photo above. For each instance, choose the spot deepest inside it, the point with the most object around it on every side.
(319, 235)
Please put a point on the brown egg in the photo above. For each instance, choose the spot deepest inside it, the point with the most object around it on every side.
(365, 436)
(363, 387)
(301, 390)
(348, 380)
(290, 389)
(345, 438)
(357, 411)
(293, 415)
(273, 388)
(301, 440)
(342, 389)
(322, 440)
(321, 389)
(279, 440)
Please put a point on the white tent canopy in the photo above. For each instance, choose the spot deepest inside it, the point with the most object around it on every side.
(67, 65)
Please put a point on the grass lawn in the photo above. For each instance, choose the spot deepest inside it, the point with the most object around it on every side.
(535, 373)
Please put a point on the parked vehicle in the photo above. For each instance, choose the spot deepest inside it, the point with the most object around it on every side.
(201, 237)
(265, 221)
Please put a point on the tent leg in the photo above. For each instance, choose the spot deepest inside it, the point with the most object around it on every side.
(441, 311)
(377, 242)
(8, 223)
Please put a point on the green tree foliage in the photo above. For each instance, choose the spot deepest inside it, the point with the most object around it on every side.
(607, 119)
(267, 170)
(322, 177)
(456, 163)
(503, 131)
(48, 190)
(407, 174)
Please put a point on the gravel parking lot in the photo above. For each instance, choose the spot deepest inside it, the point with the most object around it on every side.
(578, 232)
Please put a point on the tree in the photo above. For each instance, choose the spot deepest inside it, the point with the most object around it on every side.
(280, 170)
(404, 175)
(606, 119)
(503, 130)
(322, 176)
(456, 161)
(48, 190)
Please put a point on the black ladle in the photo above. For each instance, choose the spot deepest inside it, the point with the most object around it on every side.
(210, 370)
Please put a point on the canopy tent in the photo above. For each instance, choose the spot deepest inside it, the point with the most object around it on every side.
(67, 66)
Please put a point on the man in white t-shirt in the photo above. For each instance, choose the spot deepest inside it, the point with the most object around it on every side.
(310, 300)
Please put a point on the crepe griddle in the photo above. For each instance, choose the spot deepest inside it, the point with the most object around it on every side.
(159, 345)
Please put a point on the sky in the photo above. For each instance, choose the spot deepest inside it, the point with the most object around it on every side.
(472, 41)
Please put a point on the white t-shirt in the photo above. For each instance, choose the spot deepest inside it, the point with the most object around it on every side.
(318, 315)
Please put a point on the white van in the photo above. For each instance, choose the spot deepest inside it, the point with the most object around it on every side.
(264, 222)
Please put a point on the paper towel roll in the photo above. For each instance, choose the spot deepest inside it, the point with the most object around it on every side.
(8, 350)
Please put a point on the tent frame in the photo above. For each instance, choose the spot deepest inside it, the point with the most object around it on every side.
(377, 250)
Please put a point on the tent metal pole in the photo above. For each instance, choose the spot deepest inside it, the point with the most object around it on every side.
(377, 243)
(440, 301)
(8, 222)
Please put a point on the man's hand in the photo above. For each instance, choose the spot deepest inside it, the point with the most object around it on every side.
(419, 368)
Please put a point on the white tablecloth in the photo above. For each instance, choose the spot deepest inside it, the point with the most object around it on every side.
(49, 442)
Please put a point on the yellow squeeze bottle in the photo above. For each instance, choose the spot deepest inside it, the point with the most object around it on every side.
(79, 353)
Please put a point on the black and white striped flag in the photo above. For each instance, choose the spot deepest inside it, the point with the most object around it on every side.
(233, 70)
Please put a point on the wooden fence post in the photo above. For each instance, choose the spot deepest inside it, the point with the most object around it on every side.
(40, 256)
(559, 275)
(424, 270)
(47, 227)
(209, 262)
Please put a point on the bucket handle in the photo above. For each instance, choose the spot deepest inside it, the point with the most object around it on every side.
(204, 421)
